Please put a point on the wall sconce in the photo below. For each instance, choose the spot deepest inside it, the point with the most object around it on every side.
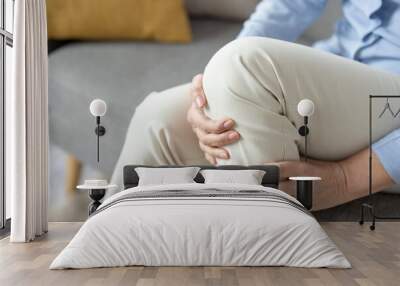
(98, 108)
(305, 108)
(305, 184)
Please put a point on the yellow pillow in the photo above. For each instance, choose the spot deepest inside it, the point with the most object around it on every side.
(161, 20)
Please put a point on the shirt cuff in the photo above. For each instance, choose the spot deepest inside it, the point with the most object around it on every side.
(388, 151)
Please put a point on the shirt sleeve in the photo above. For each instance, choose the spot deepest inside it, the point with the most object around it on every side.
(388, 151)
(282, 19)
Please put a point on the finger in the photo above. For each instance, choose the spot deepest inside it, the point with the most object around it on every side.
(200, 120)
(198, 132)
(198, 96)
(218, 140)
(210, 159)
(214, 152)
(288, 187)
(194, 115)
(198, 91)
(190, 114)
(197, 81)
(201, 100)
(290, 169)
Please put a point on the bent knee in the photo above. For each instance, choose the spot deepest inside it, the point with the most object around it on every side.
(249, 51)
(243, 72)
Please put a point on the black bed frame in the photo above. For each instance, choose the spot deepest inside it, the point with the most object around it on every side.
(270, 179)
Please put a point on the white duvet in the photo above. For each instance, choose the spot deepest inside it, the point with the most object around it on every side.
(192, 231)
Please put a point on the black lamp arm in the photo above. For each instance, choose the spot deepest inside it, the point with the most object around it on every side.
(304, 131)
(99, 131)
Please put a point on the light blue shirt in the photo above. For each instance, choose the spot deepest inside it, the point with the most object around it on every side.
(369, 32)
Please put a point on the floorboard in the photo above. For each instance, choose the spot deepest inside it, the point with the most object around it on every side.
(375, 257)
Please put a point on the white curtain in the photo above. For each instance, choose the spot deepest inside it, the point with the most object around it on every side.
(27, 123)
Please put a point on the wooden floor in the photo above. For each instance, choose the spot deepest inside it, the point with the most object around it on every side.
(375, 257)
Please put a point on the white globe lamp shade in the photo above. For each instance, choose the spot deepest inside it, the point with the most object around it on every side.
(305, 107)
(98, 107)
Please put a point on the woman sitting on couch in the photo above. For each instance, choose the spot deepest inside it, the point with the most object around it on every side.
(243, 110)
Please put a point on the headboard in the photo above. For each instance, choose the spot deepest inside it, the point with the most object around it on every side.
(270, 179)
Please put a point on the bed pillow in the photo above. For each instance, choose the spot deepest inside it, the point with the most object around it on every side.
(161, 20)
(166, 176)
(246, 177)
(228, 9)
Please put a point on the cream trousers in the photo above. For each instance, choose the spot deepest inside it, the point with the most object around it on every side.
(258, 82)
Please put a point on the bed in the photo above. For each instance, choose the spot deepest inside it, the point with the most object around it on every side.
(201, 224)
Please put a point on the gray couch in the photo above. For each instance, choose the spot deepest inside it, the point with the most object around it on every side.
(123, 73)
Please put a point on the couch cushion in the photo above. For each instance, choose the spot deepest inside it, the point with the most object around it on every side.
(228, 9)
(161, 20)
(121, 73)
